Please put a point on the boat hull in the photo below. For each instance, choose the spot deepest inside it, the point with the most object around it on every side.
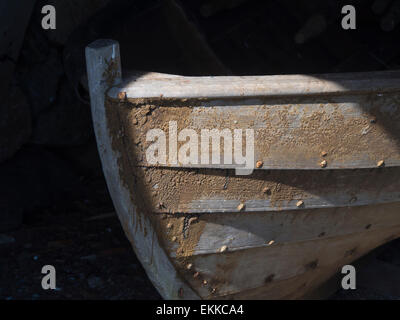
(277, 232)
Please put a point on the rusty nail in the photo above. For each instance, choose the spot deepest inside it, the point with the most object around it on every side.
(380, 163)
(240, 207)
(122, 95)
(189, 266)
(259, 164)
(300, 203)
(324, 154)
(223, 249)
(196, 275)
(323, 163)
(180, 292)
(193, 219)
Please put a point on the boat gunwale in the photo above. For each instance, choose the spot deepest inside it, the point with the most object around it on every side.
(149, 87)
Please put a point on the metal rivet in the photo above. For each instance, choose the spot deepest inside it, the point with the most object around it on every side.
(122, 95)
(205, 282)
(259, 164)
(300, 203)
(193, 220)
(169, 225)
(324, 154)
(240, 207)
(380, 163)
(223, 249)
(174, 239)
(189, 266)
(196, 275)
(271, 242)
(323, 163)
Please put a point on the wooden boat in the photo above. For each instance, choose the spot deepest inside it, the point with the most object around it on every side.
(325, 189)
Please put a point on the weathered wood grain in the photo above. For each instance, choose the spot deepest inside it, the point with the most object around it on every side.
(258, 86)
(286, 271)
(181, 220)
(354, 119)
(103, 61)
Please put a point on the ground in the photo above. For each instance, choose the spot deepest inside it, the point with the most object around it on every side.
(87, 246)
(94, 260)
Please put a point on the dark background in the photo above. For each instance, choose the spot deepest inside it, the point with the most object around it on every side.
(54, 204)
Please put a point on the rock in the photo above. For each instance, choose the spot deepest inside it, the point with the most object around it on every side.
(315, 26)
(4, 239)
(32, 80)
(85, 159)
(70, 14)
(15, 122)
(36, 46)
(379, 6)
(213, 7)
(67, 123)
(90, 257)
(140, 23)
(33, 179)
(392, 18)
(95, 282)
(14, 18)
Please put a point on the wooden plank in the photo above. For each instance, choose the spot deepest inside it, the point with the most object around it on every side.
(215, 191)
(258, 86)
(240, 273)
(104, 70)
(354, 118)
(246, 231)
(330, 200)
